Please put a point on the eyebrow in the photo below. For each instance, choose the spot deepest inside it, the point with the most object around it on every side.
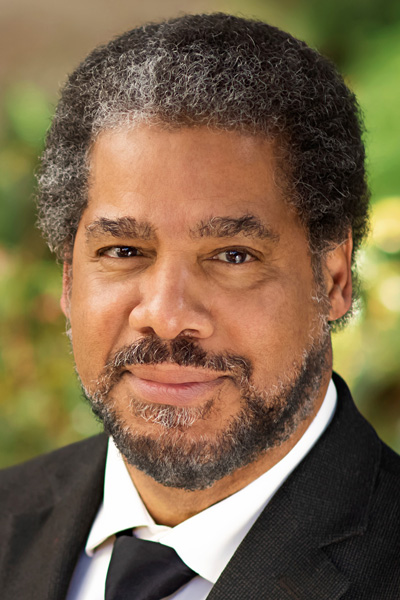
(225, 227)
(121, 227)
(215, 227)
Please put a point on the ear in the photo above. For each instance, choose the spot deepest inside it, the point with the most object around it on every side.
(338, 278)
(65, 300)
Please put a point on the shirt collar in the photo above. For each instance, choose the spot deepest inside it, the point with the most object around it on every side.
(206, 541)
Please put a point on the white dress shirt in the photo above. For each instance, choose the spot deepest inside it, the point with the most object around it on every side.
(206, 541)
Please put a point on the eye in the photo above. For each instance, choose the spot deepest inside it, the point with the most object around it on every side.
(234, 257)
(121, 252)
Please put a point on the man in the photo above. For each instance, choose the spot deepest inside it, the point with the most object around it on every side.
(203, 183)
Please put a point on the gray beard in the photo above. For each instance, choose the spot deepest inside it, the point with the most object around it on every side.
(265, 420)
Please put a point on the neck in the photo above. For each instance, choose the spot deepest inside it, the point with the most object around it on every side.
(170, 506)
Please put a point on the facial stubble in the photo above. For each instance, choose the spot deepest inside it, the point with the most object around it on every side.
(173, 456)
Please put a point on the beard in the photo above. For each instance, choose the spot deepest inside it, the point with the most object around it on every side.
(266, 417)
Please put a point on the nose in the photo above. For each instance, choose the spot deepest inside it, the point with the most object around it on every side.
(172, 302)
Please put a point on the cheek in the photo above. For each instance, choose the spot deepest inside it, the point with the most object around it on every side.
(99, 317)
(272, 326)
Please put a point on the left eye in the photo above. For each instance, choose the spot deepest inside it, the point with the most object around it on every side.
(234, 257)
(121, 252)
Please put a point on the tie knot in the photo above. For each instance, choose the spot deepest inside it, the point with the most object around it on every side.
(144, 570)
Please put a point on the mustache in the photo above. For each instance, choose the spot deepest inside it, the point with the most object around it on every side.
(183, 352)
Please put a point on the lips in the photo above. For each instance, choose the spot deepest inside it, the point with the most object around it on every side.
(172, 385)
(170, 374)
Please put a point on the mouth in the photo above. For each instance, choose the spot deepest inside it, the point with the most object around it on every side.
(172, 385)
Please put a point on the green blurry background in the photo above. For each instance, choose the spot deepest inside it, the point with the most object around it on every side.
(40, 403)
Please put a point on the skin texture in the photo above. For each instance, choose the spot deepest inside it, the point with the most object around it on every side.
(178, 185)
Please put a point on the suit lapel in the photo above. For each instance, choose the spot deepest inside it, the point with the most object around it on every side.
(279, 561)
(325, 501)
(44, 543)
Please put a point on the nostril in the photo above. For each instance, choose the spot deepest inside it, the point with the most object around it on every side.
(148, 331)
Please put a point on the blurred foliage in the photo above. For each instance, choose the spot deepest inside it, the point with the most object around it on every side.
(40, 403)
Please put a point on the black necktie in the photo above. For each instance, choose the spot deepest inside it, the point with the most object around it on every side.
(143, 570)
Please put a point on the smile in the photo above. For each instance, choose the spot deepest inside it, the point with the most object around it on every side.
(179, 387)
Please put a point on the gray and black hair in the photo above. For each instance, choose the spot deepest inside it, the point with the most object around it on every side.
(225, 73)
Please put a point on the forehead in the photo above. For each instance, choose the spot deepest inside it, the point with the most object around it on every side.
(184, 176)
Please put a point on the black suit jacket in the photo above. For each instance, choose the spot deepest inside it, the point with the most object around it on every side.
(332, 530)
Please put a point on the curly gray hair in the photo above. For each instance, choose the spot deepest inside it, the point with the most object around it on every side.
(222, 72)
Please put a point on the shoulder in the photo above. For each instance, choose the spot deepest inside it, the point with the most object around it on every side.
(22, 483)
(390, 462)
(365, 453)
(357, 427)
(370, 489)
(385, 505)
(370, 559)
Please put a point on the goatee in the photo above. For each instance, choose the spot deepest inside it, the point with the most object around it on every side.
(266, 417)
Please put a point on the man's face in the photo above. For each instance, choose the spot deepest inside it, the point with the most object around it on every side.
(192, 307)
